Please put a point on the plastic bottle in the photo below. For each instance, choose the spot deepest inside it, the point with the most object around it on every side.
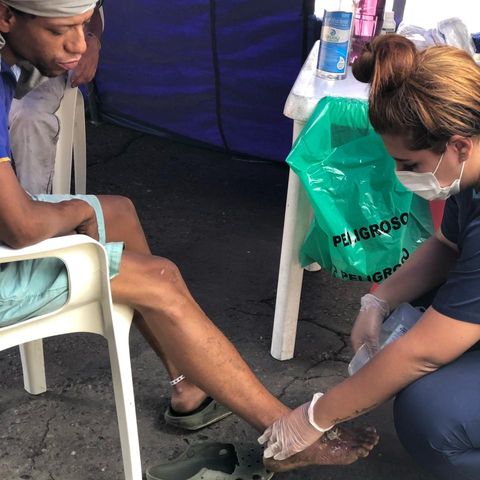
(400, 321)
(389, 25)
(366, 25)
(335, 39)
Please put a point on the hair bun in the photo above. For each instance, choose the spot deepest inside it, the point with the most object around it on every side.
(364, 65)
(386, 62)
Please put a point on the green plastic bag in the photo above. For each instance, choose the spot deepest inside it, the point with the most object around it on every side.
(366, 224)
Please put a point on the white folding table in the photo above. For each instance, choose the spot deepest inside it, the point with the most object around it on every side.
(307, 90)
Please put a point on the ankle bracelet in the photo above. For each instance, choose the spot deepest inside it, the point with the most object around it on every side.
(177, 380)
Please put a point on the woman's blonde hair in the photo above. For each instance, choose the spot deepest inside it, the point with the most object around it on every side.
(426, 96)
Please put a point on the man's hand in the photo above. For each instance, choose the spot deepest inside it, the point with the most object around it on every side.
(290, 434)
(366, 329)
(87, 66)
(24, 221)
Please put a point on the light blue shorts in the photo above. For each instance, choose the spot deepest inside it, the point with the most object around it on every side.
(34, 287)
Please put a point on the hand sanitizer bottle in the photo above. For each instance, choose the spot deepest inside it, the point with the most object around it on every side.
(389, 25)
(335, 39)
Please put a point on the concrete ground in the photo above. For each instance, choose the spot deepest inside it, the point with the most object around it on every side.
(220, 219)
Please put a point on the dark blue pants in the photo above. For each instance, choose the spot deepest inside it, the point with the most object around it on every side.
(438, 419)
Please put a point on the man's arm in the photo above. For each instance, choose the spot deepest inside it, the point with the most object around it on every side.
(87, 67)
(24, 222)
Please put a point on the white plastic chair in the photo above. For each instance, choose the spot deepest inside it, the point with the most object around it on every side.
(89, 308)
(71, 145)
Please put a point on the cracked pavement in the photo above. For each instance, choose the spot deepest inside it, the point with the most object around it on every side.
(220, 219)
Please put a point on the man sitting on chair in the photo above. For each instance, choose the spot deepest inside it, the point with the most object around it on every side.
(201, 362)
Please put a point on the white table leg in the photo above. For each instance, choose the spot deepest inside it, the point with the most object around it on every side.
(297, 221)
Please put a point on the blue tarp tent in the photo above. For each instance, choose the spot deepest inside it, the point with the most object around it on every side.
(216, 72)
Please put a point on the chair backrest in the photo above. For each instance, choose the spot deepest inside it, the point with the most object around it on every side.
(71, 140)
(71, 145)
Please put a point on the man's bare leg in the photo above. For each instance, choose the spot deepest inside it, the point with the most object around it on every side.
(197, 348)
(122, 225)
(155, 288)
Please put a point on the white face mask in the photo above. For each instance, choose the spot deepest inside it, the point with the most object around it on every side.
(427, 186)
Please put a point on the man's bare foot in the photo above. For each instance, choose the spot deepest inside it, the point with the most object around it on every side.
(339, 446)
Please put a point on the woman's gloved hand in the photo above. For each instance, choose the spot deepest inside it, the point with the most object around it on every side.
(367, 326)
(292, 433)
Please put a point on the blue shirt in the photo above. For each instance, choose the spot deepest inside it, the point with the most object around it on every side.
(459, 297)
(7, 89)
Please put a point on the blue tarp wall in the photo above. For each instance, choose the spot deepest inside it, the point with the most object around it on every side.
(216, 72)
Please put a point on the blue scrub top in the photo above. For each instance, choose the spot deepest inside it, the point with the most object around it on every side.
(459, 297)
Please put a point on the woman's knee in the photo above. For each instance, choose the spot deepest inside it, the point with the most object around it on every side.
(420, 428)
(417, 420)
(435, 417)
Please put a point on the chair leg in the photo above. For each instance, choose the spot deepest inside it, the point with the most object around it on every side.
(79, 147)
(124, 396)
(33, 366)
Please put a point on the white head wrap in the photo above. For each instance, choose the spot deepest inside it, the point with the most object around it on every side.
(52, 8)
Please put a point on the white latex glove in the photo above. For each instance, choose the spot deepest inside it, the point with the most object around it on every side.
(367, 326)
(292, 433)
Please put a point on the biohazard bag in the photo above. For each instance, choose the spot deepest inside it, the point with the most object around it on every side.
(366, 224)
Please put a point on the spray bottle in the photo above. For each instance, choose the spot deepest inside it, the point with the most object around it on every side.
(366, 25)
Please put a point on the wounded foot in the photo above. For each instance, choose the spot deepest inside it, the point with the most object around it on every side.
(339, 446)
